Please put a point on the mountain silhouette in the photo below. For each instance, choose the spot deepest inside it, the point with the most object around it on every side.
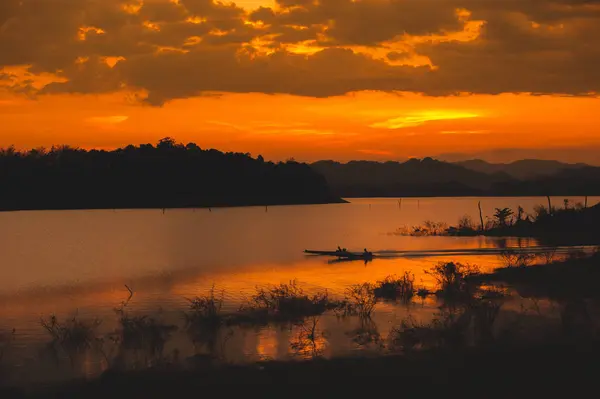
(429, 177)
(523, 169)
(576, 182)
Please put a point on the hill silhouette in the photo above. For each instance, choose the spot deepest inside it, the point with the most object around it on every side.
(173, 175)
(429, 177)
(167, 175)
(523, 169)
(580, 182)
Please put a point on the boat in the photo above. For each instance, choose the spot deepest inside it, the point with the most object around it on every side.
(342, 254)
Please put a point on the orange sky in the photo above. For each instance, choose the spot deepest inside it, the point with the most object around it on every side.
(333, 79)
(366, 125)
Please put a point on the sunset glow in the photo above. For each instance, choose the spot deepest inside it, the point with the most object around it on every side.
(337, 80)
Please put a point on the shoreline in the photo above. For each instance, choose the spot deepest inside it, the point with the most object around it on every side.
(102, 208)
(339, 200)
(470, 196)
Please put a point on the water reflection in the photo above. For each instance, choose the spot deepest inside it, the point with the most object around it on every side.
(366, 334)
(310, 341)
(145, 336)
(83, 260)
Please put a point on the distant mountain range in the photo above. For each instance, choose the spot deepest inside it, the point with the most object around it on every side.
(524, 169)
(430, 177)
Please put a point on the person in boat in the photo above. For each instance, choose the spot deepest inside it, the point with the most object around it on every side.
(338, 249)
(367, 253)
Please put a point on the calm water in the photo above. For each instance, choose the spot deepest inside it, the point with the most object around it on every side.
(77, 262)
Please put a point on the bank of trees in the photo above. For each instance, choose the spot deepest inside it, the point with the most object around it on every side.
(165, 175)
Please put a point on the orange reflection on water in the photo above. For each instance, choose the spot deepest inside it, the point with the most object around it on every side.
(236, 286)
(267, 344)
(315, 274)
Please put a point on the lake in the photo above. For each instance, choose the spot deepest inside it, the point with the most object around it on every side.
(78, 262)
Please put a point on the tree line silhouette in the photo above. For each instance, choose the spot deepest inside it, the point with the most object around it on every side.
(167, 175)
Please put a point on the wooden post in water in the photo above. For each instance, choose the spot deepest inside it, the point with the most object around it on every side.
(418, 204)
(210, 210)
(369, 206)
(480, 214)
(266, 208)
(400, 204)
(549, 205)
(586, 202)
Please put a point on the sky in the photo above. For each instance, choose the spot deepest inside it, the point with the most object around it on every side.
(309, 79)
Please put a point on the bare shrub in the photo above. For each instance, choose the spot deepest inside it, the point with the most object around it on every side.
(394, 287)
(360, 301)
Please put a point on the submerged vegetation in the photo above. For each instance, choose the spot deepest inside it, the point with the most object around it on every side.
(74, 335)
(145, 333)
(285, 302)
(568, 224)
(454, 279)
(470, 319)
(205, 310)
(520, 257)
(394, 287)
(428, 228)
(360, 301)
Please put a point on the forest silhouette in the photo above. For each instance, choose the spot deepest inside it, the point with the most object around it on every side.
(166, 175)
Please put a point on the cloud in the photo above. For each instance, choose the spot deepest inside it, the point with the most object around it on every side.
(178, 49)
(465, 132)
(107, 120)
(422, 117)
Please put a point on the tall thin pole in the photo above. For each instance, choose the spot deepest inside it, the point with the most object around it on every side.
(480, 214)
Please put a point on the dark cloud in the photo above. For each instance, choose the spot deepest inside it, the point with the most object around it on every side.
(91, 75)
(326, 73)
(4, 77)
(161, 11)
(515, 53)
(180, 49)
(264, 14)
